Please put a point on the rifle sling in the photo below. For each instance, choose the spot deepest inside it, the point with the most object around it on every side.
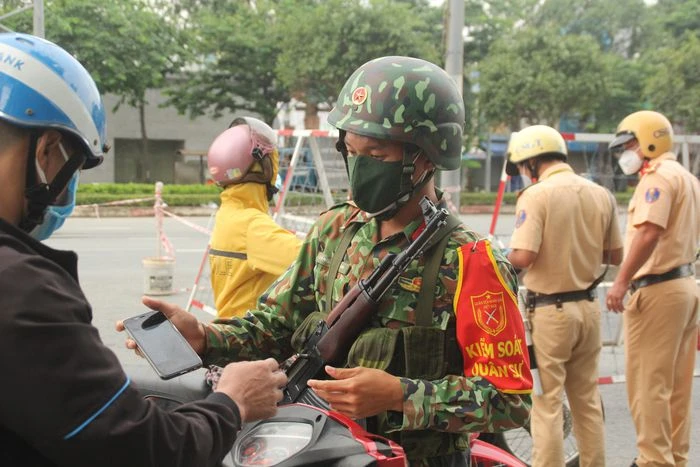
(338, 255)
(426, 296)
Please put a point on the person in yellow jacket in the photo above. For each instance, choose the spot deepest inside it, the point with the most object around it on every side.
(248, 250)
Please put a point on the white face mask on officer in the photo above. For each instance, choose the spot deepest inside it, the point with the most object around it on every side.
(630, 162)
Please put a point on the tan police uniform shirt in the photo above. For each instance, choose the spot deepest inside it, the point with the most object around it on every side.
(669, 196)
(568, 221)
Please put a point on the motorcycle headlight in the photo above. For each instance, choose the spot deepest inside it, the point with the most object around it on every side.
(271, 443)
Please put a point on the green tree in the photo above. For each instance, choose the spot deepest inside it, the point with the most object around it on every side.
(486, 21)
(128, 46)
(669, 20)
(673, 84)
(6, 6)
(234, 49)
(622, 92)
(540, 75)
(616, 26)
(323, 42)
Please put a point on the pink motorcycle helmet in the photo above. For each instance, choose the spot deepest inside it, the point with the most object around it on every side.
(245, 152)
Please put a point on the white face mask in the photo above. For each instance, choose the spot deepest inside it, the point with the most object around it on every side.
(630, 162)
(527, 181)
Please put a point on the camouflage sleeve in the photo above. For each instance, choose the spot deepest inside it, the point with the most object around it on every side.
(456, 403)
(265, 331)
(460, 404)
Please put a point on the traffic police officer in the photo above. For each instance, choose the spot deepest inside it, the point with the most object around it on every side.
(566, 227)
(661, 317)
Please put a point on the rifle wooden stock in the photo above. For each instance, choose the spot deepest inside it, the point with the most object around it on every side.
(336, 342)
(344, 303)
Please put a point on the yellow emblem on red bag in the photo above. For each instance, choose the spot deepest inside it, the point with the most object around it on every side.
(490, 312)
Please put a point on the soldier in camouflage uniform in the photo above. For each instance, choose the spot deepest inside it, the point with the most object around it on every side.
(399, 118)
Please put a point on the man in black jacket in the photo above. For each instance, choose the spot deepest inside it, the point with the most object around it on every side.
(64, 398)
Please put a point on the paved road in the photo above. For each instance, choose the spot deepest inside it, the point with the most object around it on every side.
(111, 272)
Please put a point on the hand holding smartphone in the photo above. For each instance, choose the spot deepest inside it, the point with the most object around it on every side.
(161, 343)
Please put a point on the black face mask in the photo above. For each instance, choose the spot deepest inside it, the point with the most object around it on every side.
(382, 188)
(375, 184)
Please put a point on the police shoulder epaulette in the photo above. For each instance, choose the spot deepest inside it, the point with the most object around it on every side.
(652, 168)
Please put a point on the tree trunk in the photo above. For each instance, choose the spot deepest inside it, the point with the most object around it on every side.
(311, 121)
(145, 160)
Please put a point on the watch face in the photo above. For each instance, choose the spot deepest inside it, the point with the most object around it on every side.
(272, 443)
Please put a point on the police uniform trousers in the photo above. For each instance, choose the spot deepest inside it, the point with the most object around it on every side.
(660, 331)
(567, 348)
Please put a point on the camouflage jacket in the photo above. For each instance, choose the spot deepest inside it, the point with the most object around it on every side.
(453, 403)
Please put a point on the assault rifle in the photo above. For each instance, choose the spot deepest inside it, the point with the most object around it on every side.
(333, 337)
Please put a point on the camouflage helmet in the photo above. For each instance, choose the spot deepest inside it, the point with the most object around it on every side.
(404, 99)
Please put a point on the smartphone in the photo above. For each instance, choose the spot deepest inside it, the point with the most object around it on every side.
(161, 343)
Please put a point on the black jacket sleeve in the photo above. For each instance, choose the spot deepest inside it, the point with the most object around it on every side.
(65, 394)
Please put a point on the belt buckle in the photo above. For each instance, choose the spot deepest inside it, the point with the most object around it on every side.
(530, 301)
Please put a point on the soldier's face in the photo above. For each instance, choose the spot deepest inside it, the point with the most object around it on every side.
(380, 149)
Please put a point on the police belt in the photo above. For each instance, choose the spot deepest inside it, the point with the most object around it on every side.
(650, 279)
(536, 299)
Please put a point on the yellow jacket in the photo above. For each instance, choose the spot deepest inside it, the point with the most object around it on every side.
(248, 250)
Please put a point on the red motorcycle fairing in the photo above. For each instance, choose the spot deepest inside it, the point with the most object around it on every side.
(484, 454)
(286, 440)
(368, 440)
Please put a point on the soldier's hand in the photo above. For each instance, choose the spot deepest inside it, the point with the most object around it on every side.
(254, 386)
(614, 300)
(360, 392)
(188, 325)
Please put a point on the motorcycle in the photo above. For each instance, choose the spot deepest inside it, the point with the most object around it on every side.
(301, 434)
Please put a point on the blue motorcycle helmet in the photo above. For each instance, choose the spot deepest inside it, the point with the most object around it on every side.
(43, 87)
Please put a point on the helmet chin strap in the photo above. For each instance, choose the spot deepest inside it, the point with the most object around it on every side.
(41, 195)
(534, 167)
(341, 148)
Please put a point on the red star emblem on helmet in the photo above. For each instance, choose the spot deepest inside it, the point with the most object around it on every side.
(359, 95)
